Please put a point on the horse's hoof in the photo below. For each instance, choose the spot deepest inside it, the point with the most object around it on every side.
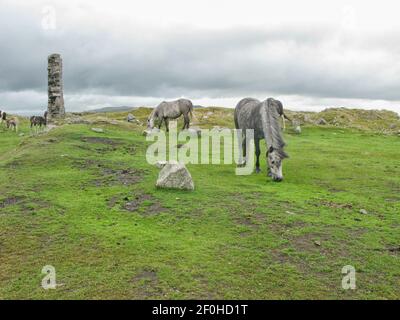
(258, 170)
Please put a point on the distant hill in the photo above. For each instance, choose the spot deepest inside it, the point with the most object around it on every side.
(112, 109)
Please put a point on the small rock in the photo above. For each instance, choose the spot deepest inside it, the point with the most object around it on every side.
(363, 211)
(297, 129)
(98, 130)
(317, 243)
(21, 134)
(130, 117)
(322, 121)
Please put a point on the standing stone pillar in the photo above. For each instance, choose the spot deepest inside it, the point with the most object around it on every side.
(55, 106)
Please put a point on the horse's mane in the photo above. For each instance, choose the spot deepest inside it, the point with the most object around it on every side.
(271, 127)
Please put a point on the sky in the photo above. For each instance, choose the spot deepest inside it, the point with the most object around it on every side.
(309, 54)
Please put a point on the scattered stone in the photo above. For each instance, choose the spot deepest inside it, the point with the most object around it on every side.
(175, 176)
(297, 130)
(130, 117)
(322, 122)
(317, 243)
(98, 130)
(363, 211)
(21, 134)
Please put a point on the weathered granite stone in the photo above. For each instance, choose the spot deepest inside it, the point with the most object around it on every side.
(56, 108)
(175, 176)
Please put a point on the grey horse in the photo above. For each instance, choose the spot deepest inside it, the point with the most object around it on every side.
(263, 118)
(171, 110)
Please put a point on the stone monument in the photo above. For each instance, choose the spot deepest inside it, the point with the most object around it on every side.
(55, 106)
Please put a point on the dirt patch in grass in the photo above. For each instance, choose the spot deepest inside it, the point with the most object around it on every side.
(108, 176)
(107, 141)
(334, 205)
(147, 283)
(26, 205)
(10, 201)
(144, 204)
(126, 177)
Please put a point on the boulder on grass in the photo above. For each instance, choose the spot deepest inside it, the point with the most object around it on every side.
(130, 117)
(175, 176)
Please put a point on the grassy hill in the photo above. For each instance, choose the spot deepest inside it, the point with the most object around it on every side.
(85, 203)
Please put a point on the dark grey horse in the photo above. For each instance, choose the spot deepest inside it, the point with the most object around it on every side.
(171, 110)
(38, 121)
(263, 118)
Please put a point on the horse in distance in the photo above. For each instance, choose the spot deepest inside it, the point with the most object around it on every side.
(166, 111)
(263, 118)
(38, 121)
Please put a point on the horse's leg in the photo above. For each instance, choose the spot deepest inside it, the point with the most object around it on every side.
(244, 149)
(166, 121)
(258, 152)
(185, 121)
(160, 123)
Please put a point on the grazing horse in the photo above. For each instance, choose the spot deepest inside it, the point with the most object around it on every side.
(38, 121)
(171, 110)
(263, 118)
(12, 124)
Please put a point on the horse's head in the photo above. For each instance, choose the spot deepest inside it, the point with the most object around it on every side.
(275, 158)
(151, 120)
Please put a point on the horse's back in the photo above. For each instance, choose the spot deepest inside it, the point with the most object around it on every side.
(244, 113)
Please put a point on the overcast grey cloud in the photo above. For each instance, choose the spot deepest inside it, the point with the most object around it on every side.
(128, 53)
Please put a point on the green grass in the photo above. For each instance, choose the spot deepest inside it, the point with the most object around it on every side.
(62, 199)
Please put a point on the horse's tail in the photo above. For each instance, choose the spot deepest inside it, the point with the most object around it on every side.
(192, 113)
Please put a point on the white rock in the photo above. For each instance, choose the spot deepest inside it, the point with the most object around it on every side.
(175, 176)
(98, 130)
